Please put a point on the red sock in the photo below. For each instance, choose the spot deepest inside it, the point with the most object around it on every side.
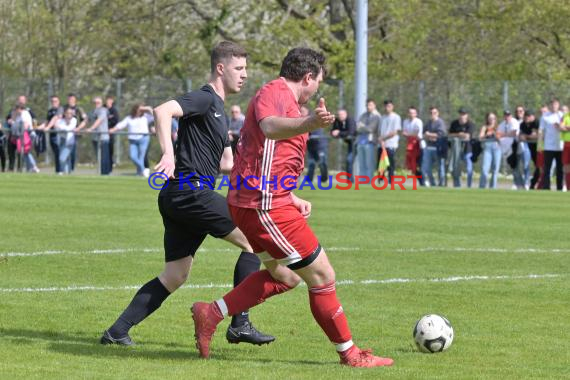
(568, 181)
(255, 289)
(330, 316)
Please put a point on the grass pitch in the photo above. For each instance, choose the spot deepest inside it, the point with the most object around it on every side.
(495, 263)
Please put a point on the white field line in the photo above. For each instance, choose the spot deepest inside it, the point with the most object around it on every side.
(328, 249)
(132, 250)
(72, 288)
(484, 250)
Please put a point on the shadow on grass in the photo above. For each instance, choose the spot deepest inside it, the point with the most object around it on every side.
(87, 345)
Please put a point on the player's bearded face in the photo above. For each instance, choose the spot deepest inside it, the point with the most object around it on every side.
(235, 74)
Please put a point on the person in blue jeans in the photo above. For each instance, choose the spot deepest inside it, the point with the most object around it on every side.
(434, 134)
(138, 129)
(461, 132)
(366, 138)
(492, 154)
(344, 127)
(66, 140)
(100, 117)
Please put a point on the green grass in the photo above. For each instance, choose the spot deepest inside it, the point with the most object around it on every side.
(511, 327)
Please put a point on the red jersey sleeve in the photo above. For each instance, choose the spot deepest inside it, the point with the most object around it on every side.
(267, 103)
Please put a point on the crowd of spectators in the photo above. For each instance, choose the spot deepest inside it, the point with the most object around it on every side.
(531, 147)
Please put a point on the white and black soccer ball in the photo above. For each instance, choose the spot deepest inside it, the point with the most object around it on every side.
(433, 333)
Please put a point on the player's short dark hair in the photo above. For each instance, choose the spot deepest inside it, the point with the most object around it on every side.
(413, 108)
(225, 50)
(300, 61)
(370, 100)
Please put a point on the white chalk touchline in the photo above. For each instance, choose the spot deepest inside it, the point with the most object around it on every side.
(72, 288)
(132, 250)
(328, 249)
(484, 250)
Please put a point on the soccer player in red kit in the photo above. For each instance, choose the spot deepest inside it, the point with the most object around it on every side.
(271, 150)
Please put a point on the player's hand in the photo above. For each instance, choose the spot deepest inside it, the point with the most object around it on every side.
(335, 133)
(322, 118)
(166, 165)
(302, 205)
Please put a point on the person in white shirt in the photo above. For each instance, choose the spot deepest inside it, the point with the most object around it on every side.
(137, 123)
(66, 140)
(388, 135)
(508, 132)
(413, 130)
(21, 133)
(549, 133)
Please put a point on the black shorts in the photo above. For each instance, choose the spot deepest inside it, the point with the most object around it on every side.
(190, 216)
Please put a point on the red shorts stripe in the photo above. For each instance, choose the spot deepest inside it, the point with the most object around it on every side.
(282, 232)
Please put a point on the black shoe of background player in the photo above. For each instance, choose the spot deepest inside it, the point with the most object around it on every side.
(246, 333)
(108, 339)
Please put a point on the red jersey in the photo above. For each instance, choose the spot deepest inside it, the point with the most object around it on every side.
(264, 169)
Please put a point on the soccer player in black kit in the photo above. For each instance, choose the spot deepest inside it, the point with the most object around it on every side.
(191, 211)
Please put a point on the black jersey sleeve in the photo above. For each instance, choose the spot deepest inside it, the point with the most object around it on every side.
(195, 102)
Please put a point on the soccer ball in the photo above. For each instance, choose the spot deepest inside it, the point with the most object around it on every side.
(433, 333)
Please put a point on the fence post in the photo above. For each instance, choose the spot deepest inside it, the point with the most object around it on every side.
(118, 105)
(188, 85)
(506, 95)
(339, 142)
(49, 93)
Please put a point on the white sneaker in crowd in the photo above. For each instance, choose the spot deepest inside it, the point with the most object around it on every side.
(146, 172)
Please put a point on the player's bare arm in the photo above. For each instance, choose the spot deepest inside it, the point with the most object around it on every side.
(227, 161)
(163, 115)
(279, 128)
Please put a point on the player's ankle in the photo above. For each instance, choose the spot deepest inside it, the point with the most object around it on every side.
(346, 349)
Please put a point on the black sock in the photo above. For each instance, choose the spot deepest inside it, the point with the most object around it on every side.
(247, 264)
(144, 303)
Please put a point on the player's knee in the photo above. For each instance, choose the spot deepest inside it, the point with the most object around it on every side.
(173, 280)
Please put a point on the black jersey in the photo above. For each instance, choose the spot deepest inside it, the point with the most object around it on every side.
(202, 136)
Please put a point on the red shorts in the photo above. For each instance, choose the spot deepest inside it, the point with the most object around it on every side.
(566, 153)
(281, 232)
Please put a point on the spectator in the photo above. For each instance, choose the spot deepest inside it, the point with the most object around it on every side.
(173, 131)
(137, 124)
(413, 131)
(366, 137)
(492, 153)
(508, 138)
(11, 143)
(66, 140)
(317, 149)
(550, 133)
(54, 113)
(101, 138)
(81, 117)
(435, 151)
(388, 136)
(344, 127)
(22, 136)
(528, 136)
(565, 137)
(461, 132)
(519, 113)
(235, 125)
(2, 145)
(112, 121)
(152, 130)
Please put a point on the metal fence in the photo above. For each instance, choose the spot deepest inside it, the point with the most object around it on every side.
(479, 97)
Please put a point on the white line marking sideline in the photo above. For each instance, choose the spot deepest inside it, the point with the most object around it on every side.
(328, 249)
(130, 250)
(72, 288)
